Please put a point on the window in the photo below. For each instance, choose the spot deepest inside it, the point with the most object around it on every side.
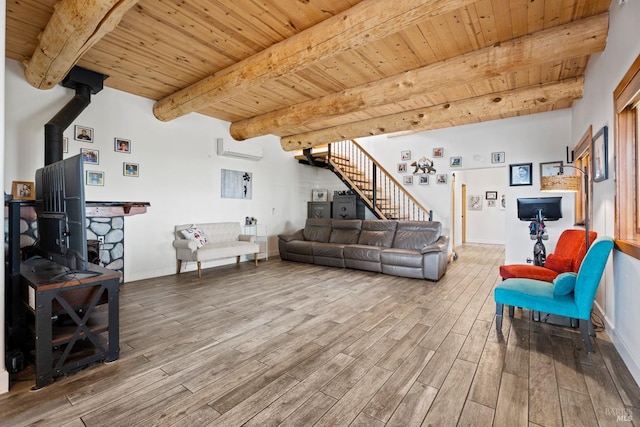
(582, 150)
(626, 98)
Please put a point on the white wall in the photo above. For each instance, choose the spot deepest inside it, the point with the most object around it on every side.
(618, 297)
(179, 168)
(486, 225)
(529, 139)
(4, 375)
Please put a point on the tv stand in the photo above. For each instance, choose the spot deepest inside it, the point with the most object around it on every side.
(90, 306)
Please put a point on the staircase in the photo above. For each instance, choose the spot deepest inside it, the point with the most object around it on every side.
(362, 174)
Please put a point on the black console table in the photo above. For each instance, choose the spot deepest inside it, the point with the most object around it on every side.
(75, 317)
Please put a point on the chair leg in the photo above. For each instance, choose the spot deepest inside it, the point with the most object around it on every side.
(511, 310)
(592, 332)
(498, 316)
(573, 322)
(179, 266)
(584, 332)
(199, 271)
(255, 258)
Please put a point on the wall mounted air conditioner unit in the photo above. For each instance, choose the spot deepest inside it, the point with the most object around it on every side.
(242, 150)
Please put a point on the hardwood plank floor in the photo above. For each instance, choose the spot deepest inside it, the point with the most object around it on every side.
(295, 344)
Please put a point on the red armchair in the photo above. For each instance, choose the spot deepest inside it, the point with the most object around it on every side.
(569, 252)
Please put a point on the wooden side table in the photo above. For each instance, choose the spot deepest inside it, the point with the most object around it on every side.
(75, 316)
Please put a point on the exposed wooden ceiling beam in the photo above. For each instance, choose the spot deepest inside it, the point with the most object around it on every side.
(572, 40)
(74, 27)
(367, 21)
(498, 105)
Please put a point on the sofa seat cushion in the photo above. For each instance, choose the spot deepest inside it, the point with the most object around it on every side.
(363, 253)
(536, 272)
(301, 247)
(225, 250)
(535, 295)
(332, 250)
(402, 257)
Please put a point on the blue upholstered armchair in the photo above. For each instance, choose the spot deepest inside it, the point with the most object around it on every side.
(570, 294)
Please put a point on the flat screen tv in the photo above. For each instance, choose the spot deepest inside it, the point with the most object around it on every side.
(60, 206)
(549, 207)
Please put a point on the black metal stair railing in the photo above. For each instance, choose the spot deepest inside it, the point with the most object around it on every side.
(382, 194)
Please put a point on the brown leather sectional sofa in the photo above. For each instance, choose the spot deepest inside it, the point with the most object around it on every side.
(413, 249)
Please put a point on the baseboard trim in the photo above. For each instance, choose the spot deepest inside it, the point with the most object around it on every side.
(627, 357)
(4, 381)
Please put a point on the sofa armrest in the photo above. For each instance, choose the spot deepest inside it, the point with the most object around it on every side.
(185, 244)
(247, 238)
(298, 235)
(440, 245)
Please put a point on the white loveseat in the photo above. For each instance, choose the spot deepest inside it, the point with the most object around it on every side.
(211, 241)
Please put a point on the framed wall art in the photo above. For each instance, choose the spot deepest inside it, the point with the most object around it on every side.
(491, 195)
(130, 169)
(600, 150)
(319, 195)
(407, 179)
(441, 178)
(236, 184)
(423, 179)
(520, 174)
(89, 156)
(456, 162)
(83, 133)
(95, 178)
(497, 157)
(23, 190)
(122, 145)
(405, 155)
(402, 167)
(438, 152)
(475, 202)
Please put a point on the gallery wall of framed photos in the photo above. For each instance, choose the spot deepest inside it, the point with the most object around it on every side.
(86, 140)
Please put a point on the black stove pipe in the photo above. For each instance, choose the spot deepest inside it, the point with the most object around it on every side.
(53, 130)
(85, 83)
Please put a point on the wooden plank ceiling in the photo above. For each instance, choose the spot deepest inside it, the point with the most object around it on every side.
(318, 71)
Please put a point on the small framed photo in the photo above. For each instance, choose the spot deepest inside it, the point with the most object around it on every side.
(438, 152)
(550, 168)
(89, 156)
(95, 178)
(65, 145)
(23, 190)
(491, 195)
(503, 202)
(407, 179)
(497, 157)
(520, 174)
(402, 168)
(122, 145)
(423, 179)
(456, 162)
(130, 169)
(441, 178)
(83, 133)
(600, 155)
(319, 195)
(405, 155)
(491, 203)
